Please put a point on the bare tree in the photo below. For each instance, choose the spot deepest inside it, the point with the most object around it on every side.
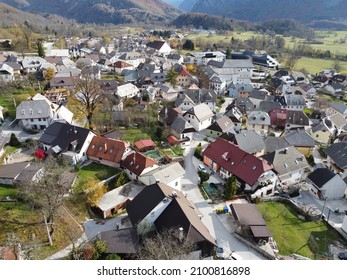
(46, 192)
(88, 93)
(169, 244)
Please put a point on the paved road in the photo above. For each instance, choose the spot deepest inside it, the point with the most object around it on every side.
(210, 219)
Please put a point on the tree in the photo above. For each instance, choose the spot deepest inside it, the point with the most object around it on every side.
(280, 42)
(46, 192)
(14, 142)
(94, 192)
(337, 66)
(228, 53)
(230, 187)
(145, 97)
(169, 244)
(188, 45)
(171, 76)
(40, 49)
(122, 179)
(49, 73)
(91, 251)
(60, 43)
(88, 93)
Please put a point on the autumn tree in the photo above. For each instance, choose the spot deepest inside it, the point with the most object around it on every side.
(95, 193)
(49, 73)
(46, 193)
(87, 92)
(168, 244)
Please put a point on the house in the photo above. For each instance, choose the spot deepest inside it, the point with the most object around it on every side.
(338, 122)
(222, 125)
(209, 97)
(337, 157)
(174, 58)
(218, 83)
(161, 47)
(301, 140)
(62, 82)
(273, 144)
(38, 113)
(183, 78)
(235, 114)
(167, 115)
(244, 104)
(289, 164)
(253, 174)
(184, 102)
(295, 102)
(3, 142)
(114, 201)
(239, 89)
(182, 130)
(296, 120)
(31, 64)
(108, 86)
(136, 164)
(256, 97)
(92, 72)
(9, 173)
(278, 117)
(250, 142)
(6, 73)
(170, 174)
(159, 207)
(67, 140)
(307, 90)
(335, 108)
(325, 184)
(320, 132)
(127, 91)
(166, 92)
(199, 116)
(120, 66)
(107, 151)
(84, 61)
(258, 121)
(250, 220)
(133, 58)
(145, 145)
(203, 58)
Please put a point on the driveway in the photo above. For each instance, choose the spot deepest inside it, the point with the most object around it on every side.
(7, 130)
(210, 219)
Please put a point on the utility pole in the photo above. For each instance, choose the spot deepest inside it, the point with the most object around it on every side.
(47, 229)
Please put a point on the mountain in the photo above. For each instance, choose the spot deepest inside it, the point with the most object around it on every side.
(175, 3)
(10, 15)
(187, 5)
(304, 11)
(102, 11)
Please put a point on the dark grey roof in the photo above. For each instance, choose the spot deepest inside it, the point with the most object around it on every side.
(258, 94)
(297, 118)
(319, 127)
(202, 95)
(223, 124)
(267, 106)
(123, 241)
(299, 139)
(295, 100)
(341, 108)
(156, 44)
(11, 171)
(321, 176)
(250, 141)
(273, 143)
(62, 135)
(33, 109)
(338, 153)
(244, 103)
(180, 125)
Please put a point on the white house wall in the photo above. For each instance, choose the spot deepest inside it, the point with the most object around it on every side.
(335, 189)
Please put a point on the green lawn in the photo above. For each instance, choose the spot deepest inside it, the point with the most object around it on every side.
(315, 65)
(95, 171)
(8, 102)
(309, 239)
(133, 134)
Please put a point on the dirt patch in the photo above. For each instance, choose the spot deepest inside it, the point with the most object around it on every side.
(22, 155)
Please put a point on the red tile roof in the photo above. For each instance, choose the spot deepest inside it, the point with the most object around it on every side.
(184, 72)
(144, 144)
(172, 140)
(243, 165)
(121, 64)
(137, 162)
(107, 149)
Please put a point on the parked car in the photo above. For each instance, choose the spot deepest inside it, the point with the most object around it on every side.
(220, 253)
(342, 255)
(202, 168)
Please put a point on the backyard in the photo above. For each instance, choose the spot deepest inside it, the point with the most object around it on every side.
(294, 235)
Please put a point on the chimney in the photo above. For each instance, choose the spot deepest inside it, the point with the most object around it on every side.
(174, 194)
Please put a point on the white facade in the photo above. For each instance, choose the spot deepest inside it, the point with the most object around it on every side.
(344, 224)
(333, 189)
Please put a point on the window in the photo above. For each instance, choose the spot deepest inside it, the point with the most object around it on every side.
(176, 184)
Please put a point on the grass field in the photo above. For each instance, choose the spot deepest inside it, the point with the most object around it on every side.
(95, 171)
(315, 65)
(309, 239)
(132, 134)
(8, 102)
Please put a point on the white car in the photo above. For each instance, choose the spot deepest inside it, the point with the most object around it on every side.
(234, 256)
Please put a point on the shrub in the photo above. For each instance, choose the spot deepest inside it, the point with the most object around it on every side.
(203, 176)
(14, 142)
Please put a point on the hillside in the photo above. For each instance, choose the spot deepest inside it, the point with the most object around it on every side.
(304, 11)
(10, 15)
(187, 5)
(102, 11)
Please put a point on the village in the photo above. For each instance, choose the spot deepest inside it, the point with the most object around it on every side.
(154, 140)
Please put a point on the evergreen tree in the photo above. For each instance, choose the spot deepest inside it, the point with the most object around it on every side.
(40, 49)
(188, 45)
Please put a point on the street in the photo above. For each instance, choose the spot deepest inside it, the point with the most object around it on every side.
(224, 238)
